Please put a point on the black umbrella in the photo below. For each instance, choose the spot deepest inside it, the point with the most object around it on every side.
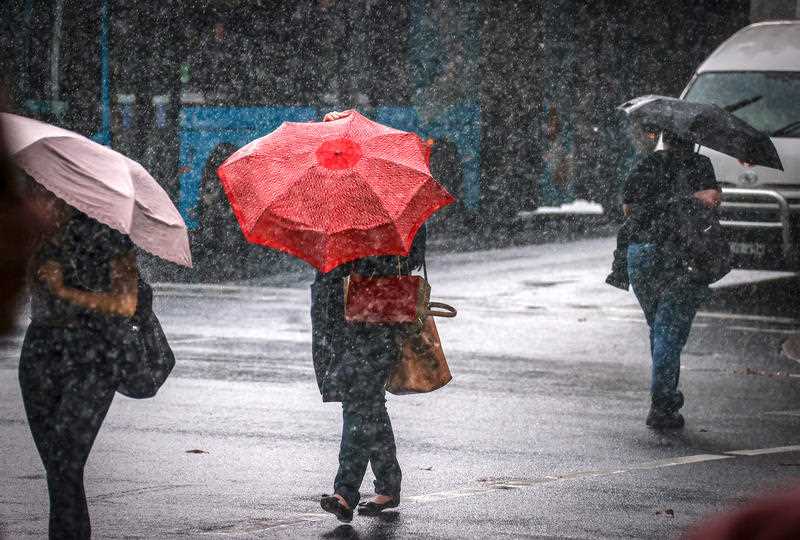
(707, 125)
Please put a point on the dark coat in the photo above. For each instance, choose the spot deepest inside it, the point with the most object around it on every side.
(659, 189)
(352, 361)
(653, 186)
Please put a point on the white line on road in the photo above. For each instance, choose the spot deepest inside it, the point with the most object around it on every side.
(786, 413)
(747, 317)
(764, 451)
(717, 315)
(672, 462)
(511, 484)
(781, 331)
(519, 483)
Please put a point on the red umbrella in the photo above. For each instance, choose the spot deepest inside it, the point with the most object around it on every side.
(332, 192)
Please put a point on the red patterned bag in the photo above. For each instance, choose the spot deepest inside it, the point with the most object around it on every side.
(386, 299)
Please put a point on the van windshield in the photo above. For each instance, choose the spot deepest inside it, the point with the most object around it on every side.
(769, 101)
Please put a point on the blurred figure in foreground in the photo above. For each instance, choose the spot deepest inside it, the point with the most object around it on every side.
(18, 227)
(772, 517)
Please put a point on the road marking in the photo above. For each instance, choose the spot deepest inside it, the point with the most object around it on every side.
(504, 484)
(763, 330)
(719, 315)
(192, 340)
(685, 460)
(518, 483)
(764, 451)
(786, 413)
(137, 491)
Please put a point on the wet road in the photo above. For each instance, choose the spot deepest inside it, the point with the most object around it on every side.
(541, 433)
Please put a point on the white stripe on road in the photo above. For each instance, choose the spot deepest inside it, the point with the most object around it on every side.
(747, 317)
(718, 315)
(519, 483)
(672, 462)
(786, 413)
(764, 451)
(781, 331)
(510, 484)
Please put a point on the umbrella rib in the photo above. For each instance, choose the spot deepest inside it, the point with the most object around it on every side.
(409, 167)
(277, 195)
(389, 218)
(401, 165)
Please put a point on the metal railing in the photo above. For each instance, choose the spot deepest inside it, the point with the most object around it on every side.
(784, 214)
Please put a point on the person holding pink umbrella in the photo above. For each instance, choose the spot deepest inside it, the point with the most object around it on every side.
(83, 274)
(85, 340)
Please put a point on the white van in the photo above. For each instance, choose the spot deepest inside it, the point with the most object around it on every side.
(755, 74)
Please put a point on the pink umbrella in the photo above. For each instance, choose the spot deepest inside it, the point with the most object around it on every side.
(101, 183)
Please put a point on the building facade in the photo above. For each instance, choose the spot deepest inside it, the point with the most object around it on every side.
(518, 96)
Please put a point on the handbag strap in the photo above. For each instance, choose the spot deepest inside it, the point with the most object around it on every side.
(440, 309)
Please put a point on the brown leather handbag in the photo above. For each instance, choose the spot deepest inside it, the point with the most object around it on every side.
(422, 366)
(403, 301)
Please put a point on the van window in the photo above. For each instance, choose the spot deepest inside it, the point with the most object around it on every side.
(769, 101)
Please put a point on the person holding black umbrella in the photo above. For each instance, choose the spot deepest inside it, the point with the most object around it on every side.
(676, 246)
(669, 299)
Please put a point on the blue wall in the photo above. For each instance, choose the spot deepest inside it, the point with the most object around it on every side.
(204, 127)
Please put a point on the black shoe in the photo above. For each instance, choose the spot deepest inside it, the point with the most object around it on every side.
(660, 420)
(372, 508)
(334, 506)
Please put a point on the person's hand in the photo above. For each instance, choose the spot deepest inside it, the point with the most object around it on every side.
(51, 274)
(335, 115)
(710, 198)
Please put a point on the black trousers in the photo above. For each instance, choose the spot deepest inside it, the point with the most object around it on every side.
(68, 381)
(367, 438)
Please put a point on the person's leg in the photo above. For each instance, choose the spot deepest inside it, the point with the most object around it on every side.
(87, 395)
(358, 434)
(40, 387)
(383, 456)
(671, 328)
(369, 356)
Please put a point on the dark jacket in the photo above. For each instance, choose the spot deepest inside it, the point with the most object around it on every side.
(652, 188)
(659, 190)
(352, 361)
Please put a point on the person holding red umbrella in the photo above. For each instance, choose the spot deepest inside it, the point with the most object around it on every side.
(352, 365)
(347, 195)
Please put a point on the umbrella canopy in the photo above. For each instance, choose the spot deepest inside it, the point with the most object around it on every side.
(332, 192)
(707, 125)
(101, 183)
